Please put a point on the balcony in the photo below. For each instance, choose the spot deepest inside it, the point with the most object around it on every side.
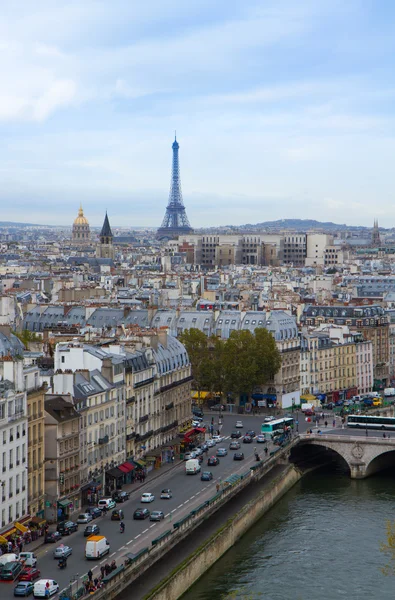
(175, 384)
(169, 406)
(143, 419)
(130, 400)
(103, 440)
(142, 383)
(17, 415)
(130, 436)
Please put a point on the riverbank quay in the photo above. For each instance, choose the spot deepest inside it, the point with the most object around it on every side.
(147, 568)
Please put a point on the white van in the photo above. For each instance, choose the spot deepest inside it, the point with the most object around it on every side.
(44, 588)
(6, 558)
(29, 559)
(107, 503)
(192, 466)
(96, 547)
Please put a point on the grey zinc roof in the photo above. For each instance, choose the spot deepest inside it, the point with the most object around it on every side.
(282, 325)
(96, 384)
(227, 321)
(253, 319)
(138, 317)
(10, 345)
(171, 357)
(196, 319)
(75, 316)
(106, 317)
(165, 318)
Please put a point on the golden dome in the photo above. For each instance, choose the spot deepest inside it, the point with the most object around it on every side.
(81, 220)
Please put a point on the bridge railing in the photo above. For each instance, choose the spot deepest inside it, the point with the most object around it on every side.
(348, 438)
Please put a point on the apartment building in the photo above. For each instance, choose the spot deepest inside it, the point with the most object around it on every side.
(62, 457)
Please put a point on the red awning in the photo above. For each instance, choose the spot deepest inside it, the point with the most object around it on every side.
(190, 432)
(200, 429)
(126, 467)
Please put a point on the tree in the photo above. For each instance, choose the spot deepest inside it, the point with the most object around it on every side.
(388, 548)
(267, 355)
(196, 344)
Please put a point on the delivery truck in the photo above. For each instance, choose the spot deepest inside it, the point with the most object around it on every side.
(192, 466)
(96, 547)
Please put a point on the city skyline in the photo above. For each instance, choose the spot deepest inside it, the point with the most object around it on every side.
(280, 111)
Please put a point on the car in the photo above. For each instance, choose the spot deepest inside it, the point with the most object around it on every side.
(197, 413)
(251, 433)
(95, 512)
(23, 588)
(260, 439)
(206, 476)
(213, 461)
(235, 445)
(117, 515)
(235, 435)
(204, 447)
(210, 443)
(106, 503)
(157, 515)
(52, 537)
(11, 571)
(84, 518)
(217, 407)
(308, 413)
(91, 530)
(62, 551)
(247, 439)
(238, 456)
(147, 497)
(120, 496)
(222, 452)
(239, 424)
(187, 456)
(44, 588)
(267, 419)
(198, 451)
(166, 494)
(141, 513)
(67, 527)
(29, 574)
(196, 423)
(217, 438)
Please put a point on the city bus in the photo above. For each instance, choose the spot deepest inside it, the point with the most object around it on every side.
(271, 429)
(370, 422)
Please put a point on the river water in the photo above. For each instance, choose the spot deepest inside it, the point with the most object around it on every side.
(320, 542)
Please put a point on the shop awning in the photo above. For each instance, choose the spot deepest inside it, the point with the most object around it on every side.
(189, 432)
(308, 397)
(20, 527)
(203, 395)
(140, 462)
(115, 473)
(3, 540)
(200, 429)
(94, 485)
(38, 521)
(64, 503)
(126, 467)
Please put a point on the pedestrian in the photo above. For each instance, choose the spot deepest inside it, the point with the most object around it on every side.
(20, 546)
(90, 575)
(384, 436)
(334, 423)
(96, 582)
(326, 423)
(102, 570)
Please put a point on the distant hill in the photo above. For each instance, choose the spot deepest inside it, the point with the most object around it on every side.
(12, 224)
(302, 225)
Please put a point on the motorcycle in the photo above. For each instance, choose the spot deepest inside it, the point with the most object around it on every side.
(122, 527)
(62, 564)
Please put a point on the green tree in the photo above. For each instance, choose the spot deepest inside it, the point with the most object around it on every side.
(388, 548)
(196, 344)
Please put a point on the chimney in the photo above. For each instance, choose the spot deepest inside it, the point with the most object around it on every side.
(162, 335)
(6, 330)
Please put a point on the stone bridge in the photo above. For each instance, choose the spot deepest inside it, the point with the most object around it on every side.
(363, 455)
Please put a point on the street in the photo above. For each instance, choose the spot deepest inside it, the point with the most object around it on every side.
(188, 492)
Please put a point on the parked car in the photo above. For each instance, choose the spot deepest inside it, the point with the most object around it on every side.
(29, 559)
(62, 551)
(234, 445)
(260, 439)
(217, 438)
(239, 424)
(120, 496)
(213, 461)
(210, 443)
(107, 503)
(204, 447)
(217, 407)
(52, 537)
(117, 514)
(198, 451)
(267, 419)
(309, 413)
(166, 494)
(247, 439)
(23, 588)
(44, 588)
(84, 518)
(238, 456)
(67, 527)
(147, 497)
(206, 476)
(95, 512)
(141, 513)
(29, 574)
(197, 411)
(91, 530)
(157, 515)
(235, 435)
(11, 571)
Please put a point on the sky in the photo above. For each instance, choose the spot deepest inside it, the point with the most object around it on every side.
(283, 109)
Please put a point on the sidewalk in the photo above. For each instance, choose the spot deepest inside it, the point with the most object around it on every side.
(131, 487)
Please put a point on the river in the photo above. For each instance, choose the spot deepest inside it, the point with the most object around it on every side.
(320, 542)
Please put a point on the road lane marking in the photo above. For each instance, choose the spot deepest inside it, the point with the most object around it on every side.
(193, 496)
(145, 530)
(103, 561)
(122, 548)
(174, 510)
(137, 536)
(153, 525)
(127, 543)
(186, 501)
(179, 506)
(168, 515)
(112, 554)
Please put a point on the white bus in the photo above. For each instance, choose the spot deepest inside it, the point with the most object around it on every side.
(272, 429)
(371, 422)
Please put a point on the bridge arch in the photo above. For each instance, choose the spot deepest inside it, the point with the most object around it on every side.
(382, 461)
(311, 453)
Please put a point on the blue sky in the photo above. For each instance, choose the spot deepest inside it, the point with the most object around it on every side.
(282, 109)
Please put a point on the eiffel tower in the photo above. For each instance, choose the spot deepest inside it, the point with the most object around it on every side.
(176, 221)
